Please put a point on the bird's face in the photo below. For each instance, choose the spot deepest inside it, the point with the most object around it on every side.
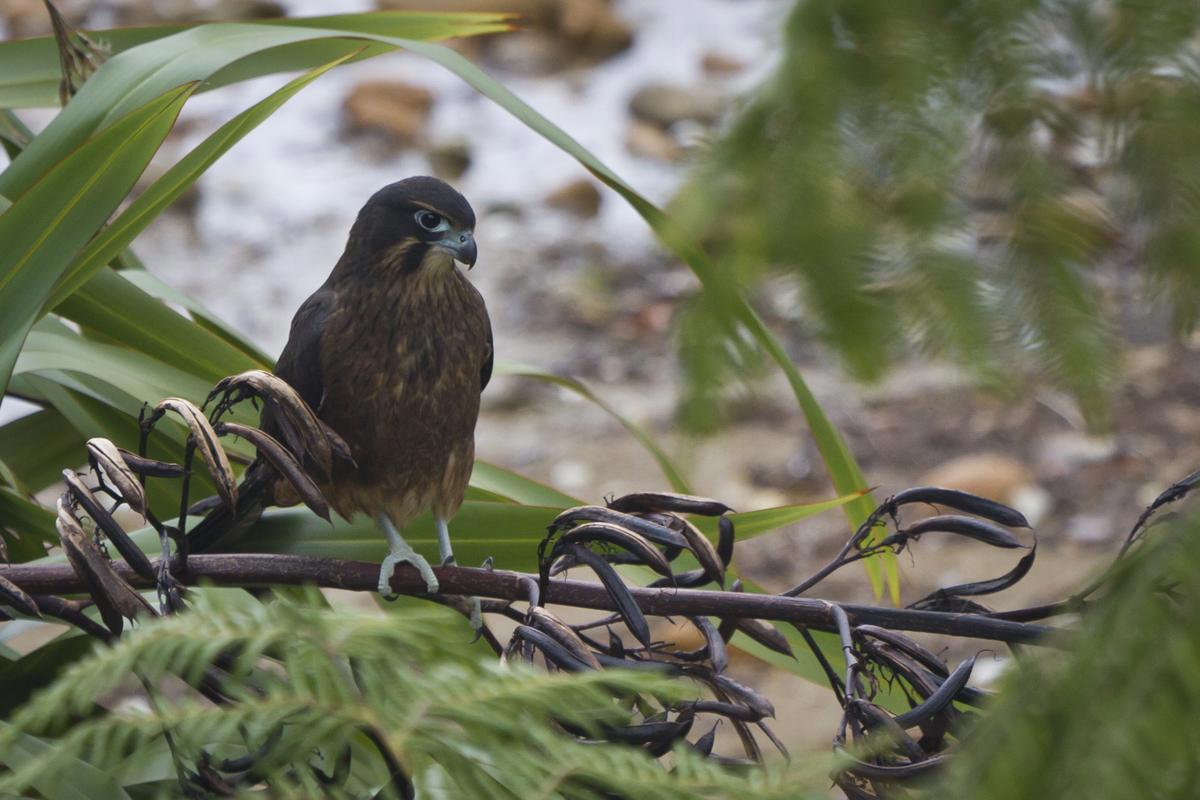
(416, 225)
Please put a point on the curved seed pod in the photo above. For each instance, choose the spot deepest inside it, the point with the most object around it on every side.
(341, 450)
(992, 586)
(636, 544)
(299, 426)
(283, 462)
(718, 657)
(557, 629)
(875, 718)
(207, 444)
(106, 459)
(725, 540)
(649, 502)
(976, 529)
(647, 732)
(202, 507)
(646, 528)
(903, 643)
(885, 773)
(555, 652)
(727, 710)
(961, 501)
(150, 467)
(765, 634)
(704, 551)
(132, 554)
(744, 694)
(704, 744)
(15, 596)
(635, 620)
(114, 598)
(940, 699)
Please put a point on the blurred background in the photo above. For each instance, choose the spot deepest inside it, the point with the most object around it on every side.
(980, 257)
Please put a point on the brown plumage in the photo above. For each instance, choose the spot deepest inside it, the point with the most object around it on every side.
(392, 351)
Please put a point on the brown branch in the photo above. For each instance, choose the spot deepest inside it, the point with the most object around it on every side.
(249, 570)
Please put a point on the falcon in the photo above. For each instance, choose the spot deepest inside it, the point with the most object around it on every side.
(392, 352)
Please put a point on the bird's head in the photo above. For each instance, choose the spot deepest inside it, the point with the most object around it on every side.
(416, 224)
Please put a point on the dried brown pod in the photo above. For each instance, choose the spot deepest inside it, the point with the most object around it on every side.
(977, 529)
(107, 461)
(960, 501)
(283, 462)
(306, 436)
(643, 550)
(552, 626)
(15, 596)
(82, 495)
(149, 467)
(114, 598)
(649, 502)
(648, 529)
(551, 648)
(635, 620)
(206, 442)
(704, 551)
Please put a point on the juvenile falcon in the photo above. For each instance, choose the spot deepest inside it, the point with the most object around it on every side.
(392, 352)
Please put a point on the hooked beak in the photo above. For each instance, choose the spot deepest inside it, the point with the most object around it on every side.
(462, 245)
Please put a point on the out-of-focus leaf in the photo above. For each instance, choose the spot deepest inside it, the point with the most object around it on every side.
(76, 780)
(45, 226)
(30, 71)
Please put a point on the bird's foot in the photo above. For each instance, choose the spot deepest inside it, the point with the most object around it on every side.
(489, 564)
(410, 556)
(449, 561)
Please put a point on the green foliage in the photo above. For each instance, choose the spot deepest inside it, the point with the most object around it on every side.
(311, 683)
(1115, 716)
(962, 176)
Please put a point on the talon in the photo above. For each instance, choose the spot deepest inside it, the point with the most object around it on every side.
(449, 561)
(489, 564)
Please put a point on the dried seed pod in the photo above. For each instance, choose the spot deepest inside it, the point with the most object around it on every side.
(114, 598)
(745, 695)
(15, 596)
(624, 538)
(283, 462)
(132, 554)
(874, 718)
(550, 647)
(961, 501)
(991, 586)
(298, 424)
(765, 634)
(150, 467)
(914, 649)
(635, 620)
(648, 733)
(718, 657)
(107, 461)
(563, 634)
(725, 539)
(205, 439)
(976, 529)
(649, 529)
(727, 710)
(704, 551)
(649, 502)
(877, 772)
(940, 699)
(704, 744)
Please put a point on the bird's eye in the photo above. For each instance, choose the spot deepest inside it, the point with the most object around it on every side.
(430, 221)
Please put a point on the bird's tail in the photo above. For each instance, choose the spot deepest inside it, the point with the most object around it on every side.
(222, 525)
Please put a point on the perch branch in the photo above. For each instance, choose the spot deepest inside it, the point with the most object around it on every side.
(249, 570)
